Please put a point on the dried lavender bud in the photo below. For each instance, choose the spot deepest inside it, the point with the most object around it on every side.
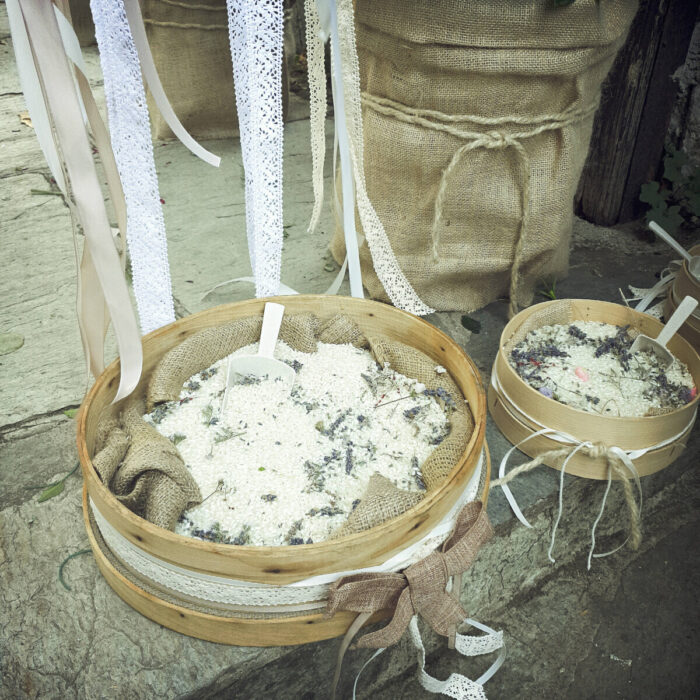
(269, 497)
(348, 460)
(576, 332)
(296, 540)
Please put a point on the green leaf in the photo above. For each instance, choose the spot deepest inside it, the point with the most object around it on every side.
(71, 412)
(670, 219)
(694, 203)
(471, 324)
(652, 194)
(9, 342)
(673, 165)
(52, 491)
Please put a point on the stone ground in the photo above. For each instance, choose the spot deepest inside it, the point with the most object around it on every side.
(626, 629)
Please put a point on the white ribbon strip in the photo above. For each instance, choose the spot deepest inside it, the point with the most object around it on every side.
(31, 87)
(62, 108)
(235, 592)
(133, 150)
(284, 290)
(138, 32)
(456, 686)
(660, 288)
(627, 457)
(341, 133)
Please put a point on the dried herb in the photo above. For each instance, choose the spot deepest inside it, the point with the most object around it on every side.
(243, 537)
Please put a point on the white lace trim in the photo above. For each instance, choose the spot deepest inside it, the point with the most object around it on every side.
(256, 38)
(231, 591)
(458, 686)
(133, 150)
(318, 105)
(397, 286)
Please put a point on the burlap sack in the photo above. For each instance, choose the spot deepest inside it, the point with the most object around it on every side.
(145, 471)
(190, 46)
(477, 118)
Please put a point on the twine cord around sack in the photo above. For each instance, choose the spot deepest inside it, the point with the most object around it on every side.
(185, 25)
(437, 121)
(193, 6)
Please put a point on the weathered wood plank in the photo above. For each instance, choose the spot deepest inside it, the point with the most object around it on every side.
(658, 106)
(616, 127)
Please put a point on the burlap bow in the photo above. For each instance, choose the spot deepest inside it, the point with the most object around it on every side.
(420, 589)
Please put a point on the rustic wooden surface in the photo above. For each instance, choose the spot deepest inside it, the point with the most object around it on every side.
(630, 127)
(281, 565)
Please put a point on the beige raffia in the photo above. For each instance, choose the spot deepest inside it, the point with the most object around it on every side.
(437, 121)
(595, 451)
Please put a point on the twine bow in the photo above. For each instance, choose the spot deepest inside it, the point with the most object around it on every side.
(420, 589)
(494, 139)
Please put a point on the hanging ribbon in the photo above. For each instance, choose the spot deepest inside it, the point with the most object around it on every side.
(150, 74)
(255, 34)
(325, 24)
(340, 14)
(71, 145)
(133, 149)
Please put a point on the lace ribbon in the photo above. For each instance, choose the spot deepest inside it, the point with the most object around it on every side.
(255, 35)
(619, 462)
(133, 150)
(397, 286)
(421, 589)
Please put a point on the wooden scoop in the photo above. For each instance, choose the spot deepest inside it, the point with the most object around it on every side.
(263, 364)
(658, 345)
(693, 260)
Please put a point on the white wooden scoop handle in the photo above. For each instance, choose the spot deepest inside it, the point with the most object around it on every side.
(272, 320)
(685, 308)
(671, 241)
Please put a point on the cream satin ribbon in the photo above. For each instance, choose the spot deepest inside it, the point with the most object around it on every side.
(328, 15)
(63, 110)
(627, 458)
(150, 74)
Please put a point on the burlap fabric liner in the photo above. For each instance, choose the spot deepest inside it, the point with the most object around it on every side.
(146, 472)
(473, 182)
